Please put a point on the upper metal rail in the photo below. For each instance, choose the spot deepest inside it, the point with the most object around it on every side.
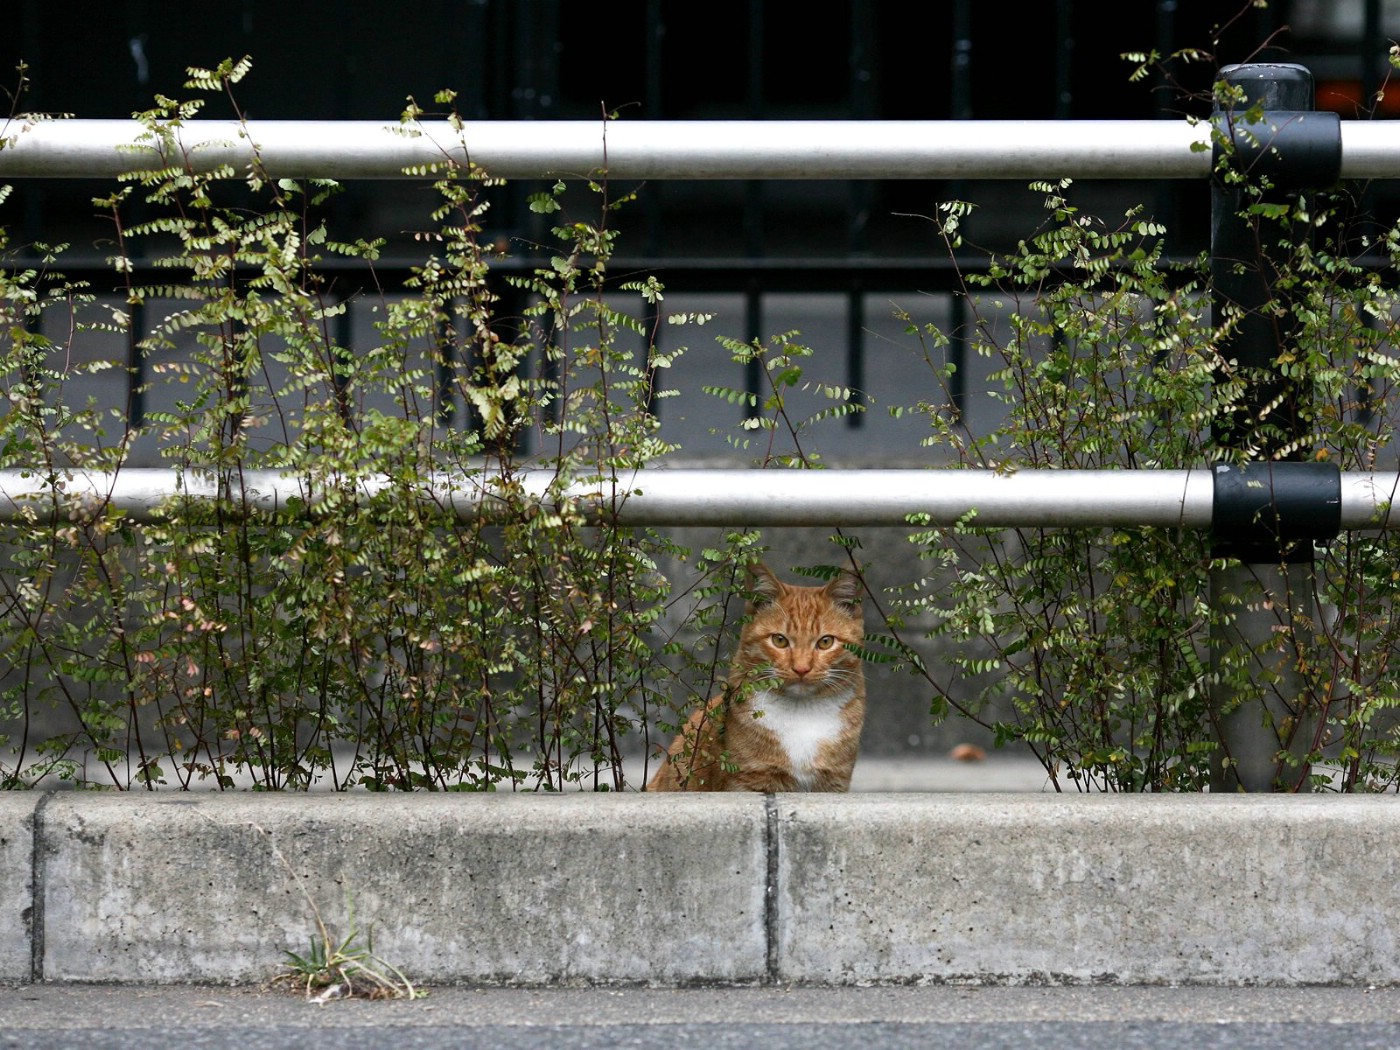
(797, 149)
(840, 498)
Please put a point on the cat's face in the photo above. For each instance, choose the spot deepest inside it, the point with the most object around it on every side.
(798, 639)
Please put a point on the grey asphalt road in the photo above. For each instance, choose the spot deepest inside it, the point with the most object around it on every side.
(38, 1017)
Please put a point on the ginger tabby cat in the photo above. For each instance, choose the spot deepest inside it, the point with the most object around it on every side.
(790, 717)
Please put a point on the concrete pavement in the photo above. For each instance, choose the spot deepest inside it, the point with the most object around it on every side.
(37, 1017)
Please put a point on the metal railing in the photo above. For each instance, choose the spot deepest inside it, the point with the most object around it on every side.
(779, 150)
(720, 496)
(795, 149)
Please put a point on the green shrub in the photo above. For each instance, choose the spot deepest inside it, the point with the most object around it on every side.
(1097, 642)
(367, 632)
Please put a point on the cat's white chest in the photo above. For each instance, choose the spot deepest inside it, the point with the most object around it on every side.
(801, 726)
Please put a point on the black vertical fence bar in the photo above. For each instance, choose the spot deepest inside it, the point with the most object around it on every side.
(753, 209)
(135, 366)
(1064, 55)
(1167, 195)
(528, 91)
(1064, 58)
(1371, 53)
(1371, 56)
(862, 74)
(654, 105)
(138, 374)
(960, 109)
(655, 32)
(753, 325)
(855, 352)
(474, 103)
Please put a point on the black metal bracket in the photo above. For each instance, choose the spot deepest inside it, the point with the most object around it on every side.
(1293, 149)
(1273, 512)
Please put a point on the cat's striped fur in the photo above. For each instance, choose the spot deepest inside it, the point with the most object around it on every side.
(791, 713)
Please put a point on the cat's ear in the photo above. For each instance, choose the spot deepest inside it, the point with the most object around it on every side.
(764, 587)
(845, 589)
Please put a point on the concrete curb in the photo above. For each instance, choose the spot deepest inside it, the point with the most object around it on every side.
(535, 889)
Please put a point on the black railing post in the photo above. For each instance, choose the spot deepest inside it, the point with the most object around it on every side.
(1271, 503)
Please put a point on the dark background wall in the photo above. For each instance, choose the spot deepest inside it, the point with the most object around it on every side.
(649, 59)
(668, 59)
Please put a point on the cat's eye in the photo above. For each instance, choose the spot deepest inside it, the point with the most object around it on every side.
(826, 641)
(780, 641)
